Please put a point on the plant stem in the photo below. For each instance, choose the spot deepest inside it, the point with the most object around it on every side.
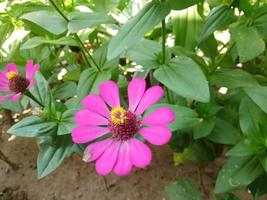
(163, 24)
(7, 161)
(77, 38)
(28, 94)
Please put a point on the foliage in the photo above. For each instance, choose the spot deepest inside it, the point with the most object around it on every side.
(193, 48)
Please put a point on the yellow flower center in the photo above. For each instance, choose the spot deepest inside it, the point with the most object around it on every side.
(118, 115)
(11, 74)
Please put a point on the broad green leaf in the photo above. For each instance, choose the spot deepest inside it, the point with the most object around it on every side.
(183, 190)
(184, 117)
(37, 41)
(186, 27)
(177, 76)
(32, 126)
(259, 96)
(238, 172)
(134, 29)
(246, 148)
(233, 78)
(145, 53)
(224, 133)
(41, 90)
(66, 123)
(90, 80)
(203, 128)
(82, 20)
(65, 90)
(50, 157)
(105, 6)
(263, 160)
(260, 20)
(243, 37)
(182, 4)
(100, 57)
(11, 105)
(48, 20)
(227, 196)
(218, 18)
(250, 117)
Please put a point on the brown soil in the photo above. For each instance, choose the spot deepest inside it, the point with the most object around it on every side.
(77, 180)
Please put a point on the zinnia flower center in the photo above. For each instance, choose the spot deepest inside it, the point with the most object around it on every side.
(16, 82)
(123, 123)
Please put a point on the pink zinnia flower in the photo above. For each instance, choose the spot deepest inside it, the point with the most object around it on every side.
(14, 83)
(104, 116)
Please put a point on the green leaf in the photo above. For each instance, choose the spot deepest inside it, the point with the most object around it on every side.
(65, 90)
(67, 122)
(49, 21)
(227, 196)
(41, 90)
(145, 53)
(90, 80)
(203, 128)
(251, 116)
(201, 150)
(32, 126)
(233, 78)
(50, 157)
(177, 76)
(184, 117)
(258, 95)
(134, 29)
(183, 190)
(224, 133)
(260, 20)
(218, 18)
(243, 37)
(246, 148)
(182, 4)
(186, 27)
(83, 20)
(258, 187)
(238, 172)
(263, 160)
(105, 6)
(37, 41)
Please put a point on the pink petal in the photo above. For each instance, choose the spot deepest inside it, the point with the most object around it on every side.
(32, 83)
(31, 69)
(94, 103)
(11, 97)
(123, 165)
(140, 154)
(157, 135)
(3, 75)
(160, 116)
(136, 90)
(87, 117)
(94, 150)
(151, 96)
(109, 91)
(83, 134)
(107, 160)
(4, 87)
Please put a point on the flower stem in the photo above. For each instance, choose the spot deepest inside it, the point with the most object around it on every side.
(163, 25)
(28, 94)
(77, 39)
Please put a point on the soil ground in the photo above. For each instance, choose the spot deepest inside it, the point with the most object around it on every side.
(77, 180)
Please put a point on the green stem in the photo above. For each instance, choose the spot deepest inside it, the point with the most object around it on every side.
(163, 24)
(220, 59)
(77, 38)
(28, 94)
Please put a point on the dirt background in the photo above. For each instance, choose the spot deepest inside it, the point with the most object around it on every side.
(77, 180)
